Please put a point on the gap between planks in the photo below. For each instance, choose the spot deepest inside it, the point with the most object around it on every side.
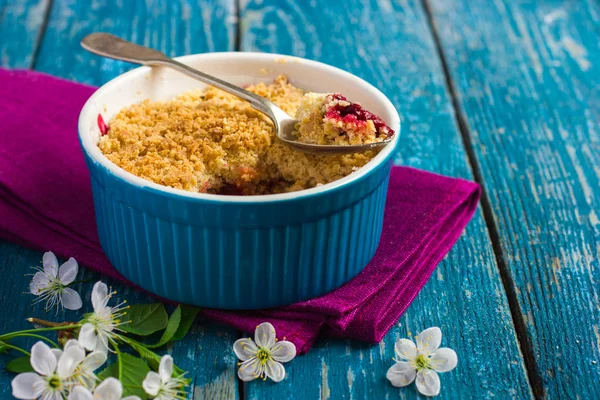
(535, 379)
(237, 43)
(237, 46)
(241, 383)
(41, 33)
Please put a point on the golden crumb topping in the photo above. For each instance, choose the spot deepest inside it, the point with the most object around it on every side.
(212, 142)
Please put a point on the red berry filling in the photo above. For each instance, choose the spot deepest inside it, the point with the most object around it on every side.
(102, 125)
(356, 114)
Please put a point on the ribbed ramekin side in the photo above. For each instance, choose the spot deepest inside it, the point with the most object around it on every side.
(267, 266)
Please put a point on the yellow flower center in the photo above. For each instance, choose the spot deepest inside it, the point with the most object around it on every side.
(422, 362)
(54, 382)
(263, 355)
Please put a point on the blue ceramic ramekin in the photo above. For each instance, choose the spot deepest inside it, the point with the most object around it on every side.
(236, 252)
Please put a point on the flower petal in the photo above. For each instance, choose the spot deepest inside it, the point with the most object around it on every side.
(80, 393)
(165, 368)
(70, 299)
(131, 398)
(51, 396)
(264, 335)
(50, 264)
(70, 359)
(245, 349)
(401, 374)
(249, 370)
(99, 295)
(151, 383)
(57, 353)
(88, 337)
(283, 351)
(275, 371)
(406, 349)
(429, 340)
(102, 344)
(28, 385)
(72, 342)
(428, 382)
(38, 283)
(443, 360)
(68, 271)
(94, 360)
(42, 359)
(109, 389)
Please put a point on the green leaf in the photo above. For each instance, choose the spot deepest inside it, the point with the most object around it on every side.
(19, 365)
(188, 315)
(112, 371)
(152, 358)
(133, 372)
(145, 319)
(171, 329)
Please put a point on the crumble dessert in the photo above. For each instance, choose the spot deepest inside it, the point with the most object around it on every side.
(330, 119)
(209, 141)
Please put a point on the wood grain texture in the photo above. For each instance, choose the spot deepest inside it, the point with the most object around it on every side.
(21, 23)
(176, 28)
(527, 76)
(389, 44)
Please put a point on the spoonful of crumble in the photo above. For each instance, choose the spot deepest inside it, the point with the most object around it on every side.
(326, 123)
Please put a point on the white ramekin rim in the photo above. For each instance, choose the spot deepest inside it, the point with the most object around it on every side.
(97, 157)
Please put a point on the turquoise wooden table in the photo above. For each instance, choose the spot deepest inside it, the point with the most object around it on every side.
(503, 92)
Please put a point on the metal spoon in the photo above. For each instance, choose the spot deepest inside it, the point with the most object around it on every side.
(111, 46)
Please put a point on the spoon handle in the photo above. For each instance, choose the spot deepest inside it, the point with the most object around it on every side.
(111, 46)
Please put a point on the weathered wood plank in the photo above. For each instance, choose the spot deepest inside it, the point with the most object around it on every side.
(20, 26)
(527, 76)
(177, 28)
(389, 44)
(21, 23)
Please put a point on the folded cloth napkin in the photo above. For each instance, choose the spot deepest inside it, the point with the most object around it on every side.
(46, 203)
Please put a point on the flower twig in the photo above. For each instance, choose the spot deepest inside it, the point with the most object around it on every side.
(43, 322)
(52, 342)
(11, 335)
(10, 346)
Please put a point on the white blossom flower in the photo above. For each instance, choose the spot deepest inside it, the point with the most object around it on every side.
(84, 373)
(162, 385)
(422, 362)
(53, 371)
(50, 283)
(101, 326)
(109, 389)
(262, 357)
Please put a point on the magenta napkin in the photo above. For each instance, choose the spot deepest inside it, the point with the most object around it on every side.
(46, 203)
